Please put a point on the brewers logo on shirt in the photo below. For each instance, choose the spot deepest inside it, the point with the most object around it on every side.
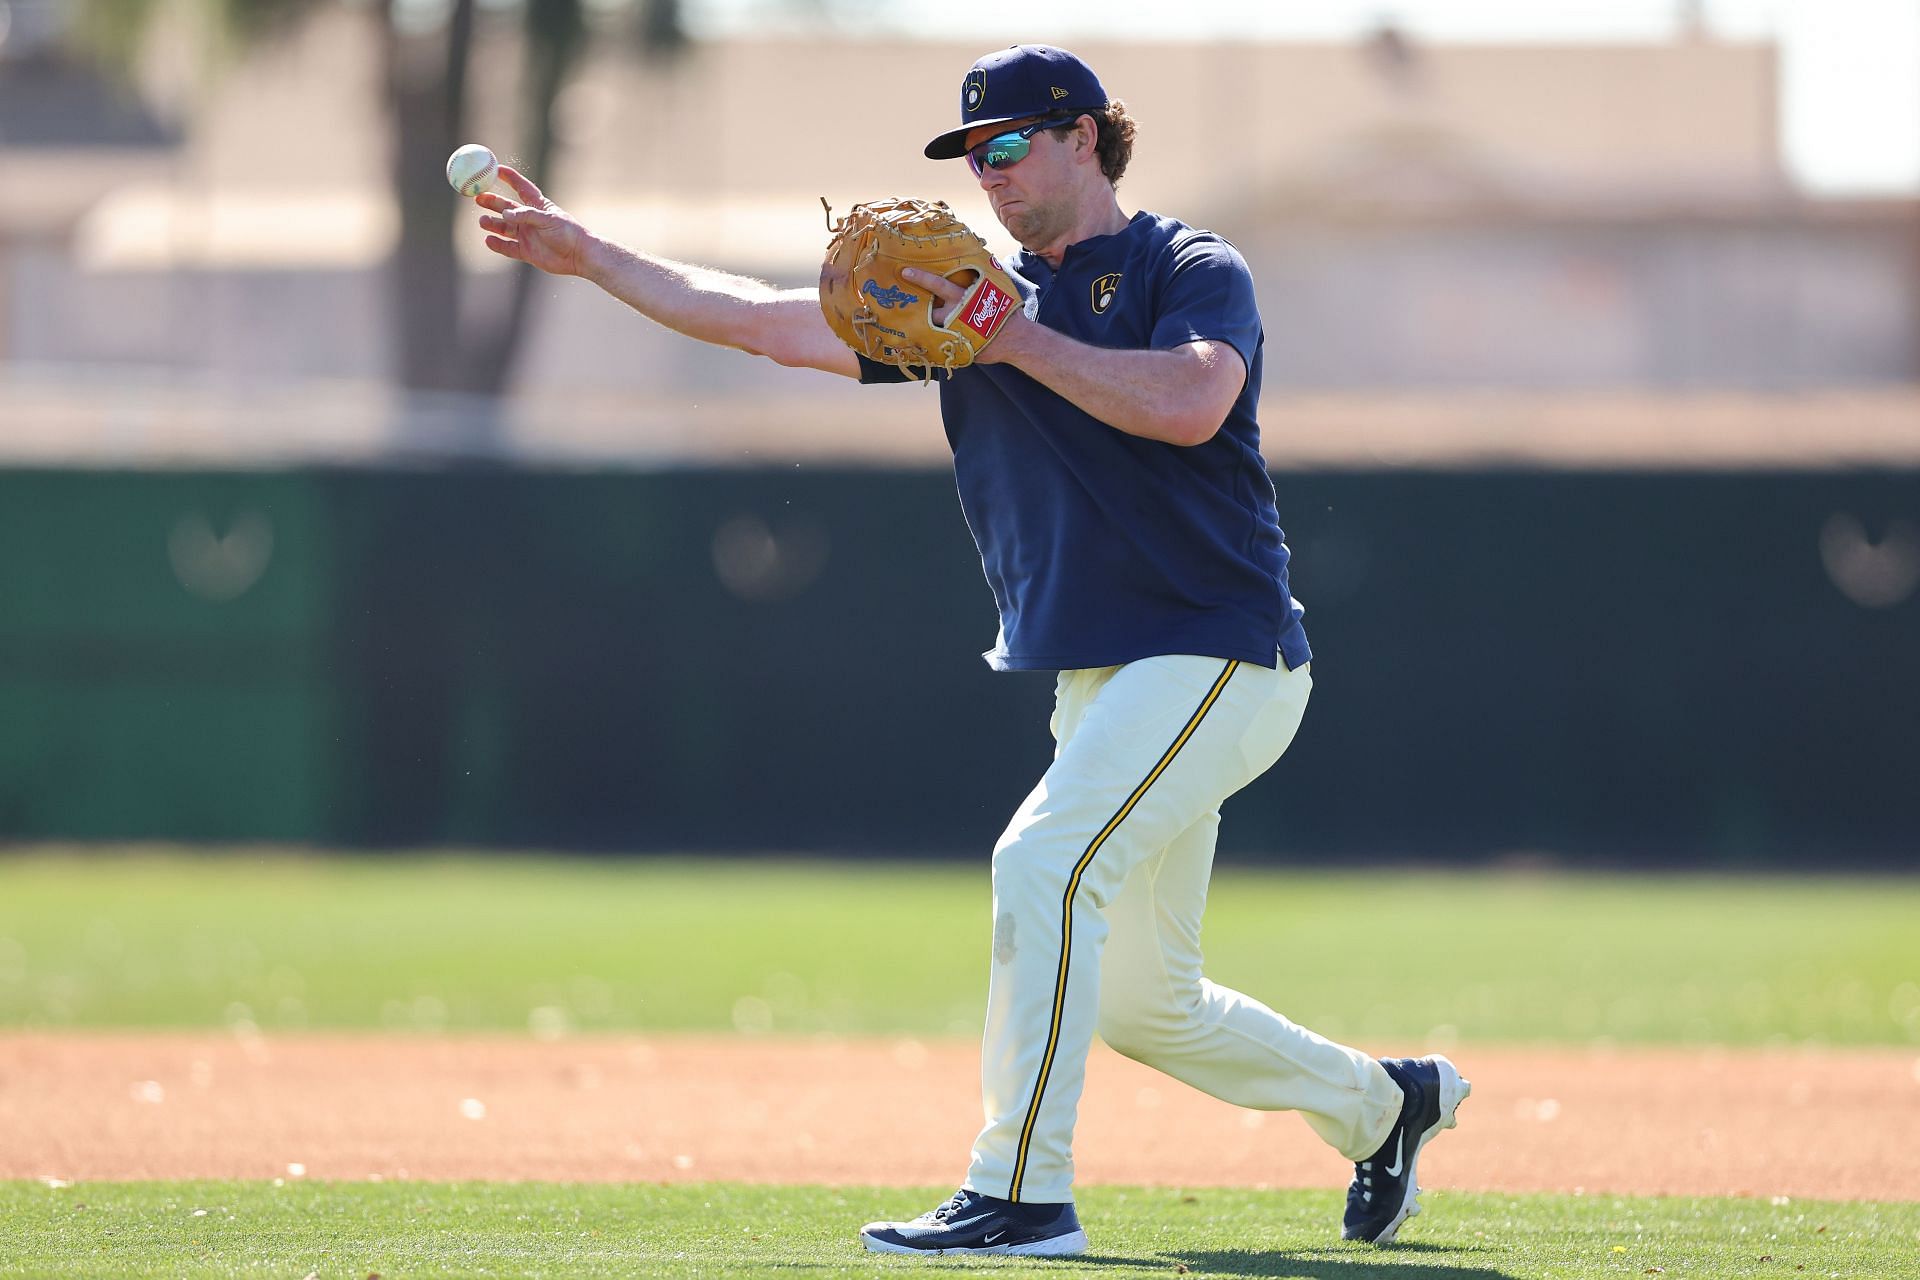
(1103, 291)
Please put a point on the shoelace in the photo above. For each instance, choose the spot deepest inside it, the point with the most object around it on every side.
(951, 1207)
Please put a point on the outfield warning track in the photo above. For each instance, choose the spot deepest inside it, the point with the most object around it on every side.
(1820, 1123)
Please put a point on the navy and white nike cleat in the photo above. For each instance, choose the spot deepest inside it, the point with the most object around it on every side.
(973, 1223)
(1383, 1193)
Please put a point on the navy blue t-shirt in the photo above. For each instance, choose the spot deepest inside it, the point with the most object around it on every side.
(1103, 547)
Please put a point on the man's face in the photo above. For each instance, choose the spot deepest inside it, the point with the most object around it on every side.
(1033, 196)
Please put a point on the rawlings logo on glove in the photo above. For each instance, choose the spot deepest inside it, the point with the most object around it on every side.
(987, 309)
(888, 297)
(870, 248)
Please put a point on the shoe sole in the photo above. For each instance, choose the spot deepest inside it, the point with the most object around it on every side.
(1052, 1247)
(1454, 1089)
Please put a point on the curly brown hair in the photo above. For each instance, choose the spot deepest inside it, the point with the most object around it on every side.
(1115, 143)
(1113, 136)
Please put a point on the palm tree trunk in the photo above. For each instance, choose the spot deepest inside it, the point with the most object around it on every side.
(555, 37)
(437, 347)
(427, 89)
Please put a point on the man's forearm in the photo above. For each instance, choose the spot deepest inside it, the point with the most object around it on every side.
(1173, 396)
(785, 325)
(713, 306)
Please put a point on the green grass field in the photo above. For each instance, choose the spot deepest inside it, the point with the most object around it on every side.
(192, 1229)
(501, 944)
(157, 939)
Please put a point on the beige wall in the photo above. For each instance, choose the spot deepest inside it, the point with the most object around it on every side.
(255, 253)
(730, 147)
(1212, 115)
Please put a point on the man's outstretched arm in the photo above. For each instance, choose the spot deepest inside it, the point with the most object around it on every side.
(784, 325)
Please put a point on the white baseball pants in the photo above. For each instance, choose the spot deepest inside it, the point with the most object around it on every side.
(1099, 884)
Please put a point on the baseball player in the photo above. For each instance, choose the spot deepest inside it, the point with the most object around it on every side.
(1108, 462)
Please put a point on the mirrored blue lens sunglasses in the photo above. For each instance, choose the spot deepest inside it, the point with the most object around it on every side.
(1004, 150)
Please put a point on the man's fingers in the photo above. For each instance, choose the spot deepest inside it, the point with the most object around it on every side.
(506, 248)
(520, 218)
(493, 200)
(941, 287)
(517, 219)
(528, 193)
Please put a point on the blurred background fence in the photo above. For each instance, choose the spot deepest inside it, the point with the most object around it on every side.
(1590, 397)
(1640, 665)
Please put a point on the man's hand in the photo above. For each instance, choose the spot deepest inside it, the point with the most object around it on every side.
(536, 230)
(1004, 345)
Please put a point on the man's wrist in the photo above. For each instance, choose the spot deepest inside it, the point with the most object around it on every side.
(598, 259)
(1014, 342)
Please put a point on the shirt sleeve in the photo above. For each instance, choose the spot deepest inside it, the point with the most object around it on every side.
(873, 371)
(1207, 296)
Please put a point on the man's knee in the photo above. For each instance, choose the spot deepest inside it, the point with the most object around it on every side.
(1136, 1027)
(1126, 1037)
(1036, 862)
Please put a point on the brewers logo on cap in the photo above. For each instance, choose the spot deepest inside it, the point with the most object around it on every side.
(1103, 291)
(1028, 80)
(974, 91)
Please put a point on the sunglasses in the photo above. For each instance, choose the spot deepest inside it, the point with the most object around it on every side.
(1004, 150)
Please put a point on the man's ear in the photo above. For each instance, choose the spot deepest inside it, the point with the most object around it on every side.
(1085, 131)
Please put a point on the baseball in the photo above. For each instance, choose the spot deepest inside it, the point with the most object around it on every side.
(472, 169)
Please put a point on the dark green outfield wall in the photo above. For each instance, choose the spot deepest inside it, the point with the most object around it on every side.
(1611, 665)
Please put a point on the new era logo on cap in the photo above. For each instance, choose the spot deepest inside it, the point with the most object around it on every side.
(1026, 80)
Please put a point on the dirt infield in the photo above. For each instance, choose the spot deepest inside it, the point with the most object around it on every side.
(1804, 1123)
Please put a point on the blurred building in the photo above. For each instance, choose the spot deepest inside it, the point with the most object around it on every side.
(1596, 218)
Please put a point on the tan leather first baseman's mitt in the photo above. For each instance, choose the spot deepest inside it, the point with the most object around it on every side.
(888, 319)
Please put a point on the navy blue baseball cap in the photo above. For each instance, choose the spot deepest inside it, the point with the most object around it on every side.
(1016, 84)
